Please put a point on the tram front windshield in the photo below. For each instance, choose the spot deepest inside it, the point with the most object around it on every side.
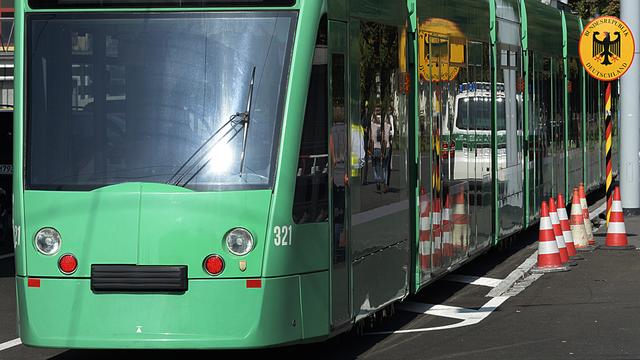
(155, 97)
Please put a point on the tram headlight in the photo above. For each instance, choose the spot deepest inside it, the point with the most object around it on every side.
(239, 241)
(48, 241)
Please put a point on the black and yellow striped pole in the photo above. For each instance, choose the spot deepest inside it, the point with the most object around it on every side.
(609, 147)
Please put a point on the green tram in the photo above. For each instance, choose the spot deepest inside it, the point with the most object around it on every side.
(241, 174)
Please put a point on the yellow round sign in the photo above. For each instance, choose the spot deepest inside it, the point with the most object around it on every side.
(607, 48)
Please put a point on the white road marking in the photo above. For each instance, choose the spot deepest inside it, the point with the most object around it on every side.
(468, 316)
(6, 256)
(453, 312)
(10, 344)
(474, 280)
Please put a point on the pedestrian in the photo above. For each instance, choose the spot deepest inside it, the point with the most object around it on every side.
(376, 134)
(366, 124)
(390, 132)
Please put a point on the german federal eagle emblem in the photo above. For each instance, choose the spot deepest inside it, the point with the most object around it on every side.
(606, 49)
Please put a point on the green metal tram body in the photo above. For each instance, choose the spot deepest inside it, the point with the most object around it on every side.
(491, 113)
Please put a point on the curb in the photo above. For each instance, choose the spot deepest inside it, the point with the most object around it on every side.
(517, 274)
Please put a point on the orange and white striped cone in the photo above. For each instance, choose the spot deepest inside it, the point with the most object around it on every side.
(460, 223)
(557, 232)
(566, 229)
(447, 245)
(548, 252)
(578, 231)
(585, 213)
(616, 231)
(436, 232)
(425, 232)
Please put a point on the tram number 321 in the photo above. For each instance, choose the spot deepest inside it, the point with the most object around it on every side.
(282, 235)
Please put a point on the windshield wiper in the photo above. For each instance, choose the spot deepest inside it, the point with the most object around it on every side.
(179, 175)
(199, 154)
(246, 120)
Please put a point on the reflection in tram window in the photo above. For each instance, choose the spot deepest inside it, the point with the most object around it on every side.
(383, 118)
(455, 122)
(574, 123)
(311, 195)
(477, 105)
(558, 127)
(379, 140)
(510, 143)
(337, 150)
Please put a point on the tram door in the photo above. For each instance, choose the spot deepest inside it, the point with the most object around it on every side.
(339, 156)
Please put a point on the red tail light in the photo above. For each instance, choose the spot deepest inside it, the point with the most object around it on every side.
(68, 264)
(214, 264)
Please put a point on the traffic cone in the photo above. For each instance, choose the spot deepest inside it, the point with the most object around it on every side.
(566, 228)
(585, 213)
(436, 231)
(578, 231)
(425, 231)
(460, 223)
(616, 232)
(557, 231)
(548, 252)
(447, 245)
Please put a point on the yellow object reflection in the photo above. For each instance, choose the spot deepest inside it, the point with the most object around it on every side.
(441, 50)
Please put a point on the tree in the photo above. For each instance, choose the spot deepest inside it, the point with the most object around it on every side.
(588, 9)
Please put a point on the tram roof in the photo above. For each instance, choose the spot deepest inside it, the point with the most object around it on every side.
(544, 28)
(573, 34)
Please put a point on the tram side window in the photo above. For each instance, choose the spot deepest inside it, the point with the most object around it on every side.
(575, 104)
(311, 200)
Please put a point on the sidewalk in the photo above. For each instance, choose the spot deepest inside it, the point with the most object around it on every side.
(590, 312)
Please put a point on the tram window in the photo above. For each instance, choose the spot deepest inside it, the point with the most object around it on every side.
(559, 108)
(311, 201)
(575, 104)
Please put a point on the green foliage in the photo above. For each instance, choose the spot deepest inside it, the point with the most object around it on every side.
(379, 52)
(588, 9)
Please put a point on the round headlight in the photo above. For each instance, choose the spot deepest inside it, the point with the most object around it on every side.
(239, 241)
(48, 241)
